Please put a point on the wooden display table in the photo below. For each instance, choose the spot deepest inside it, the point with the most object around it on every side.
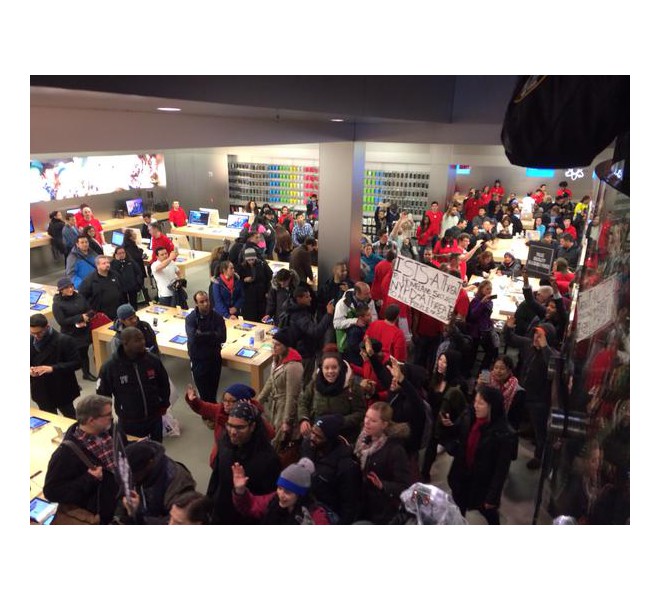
(517, 246)
(46, 299)
(186, 259)
(509, 294)
(169, 326)
(39, 239)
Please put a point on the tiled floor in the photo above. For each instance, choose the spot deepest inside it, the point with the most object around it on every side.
(194, 445)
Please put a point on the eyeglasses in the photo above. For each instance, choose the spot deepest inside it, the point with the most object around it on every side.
(107, 415)
(236, 427)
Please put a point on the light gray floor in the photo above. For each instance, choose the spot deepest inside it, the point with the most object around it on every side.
(194, 445)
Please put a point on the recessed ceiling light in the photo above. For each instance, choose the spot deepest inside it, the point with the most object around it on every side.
(169, 109)
(337, 120)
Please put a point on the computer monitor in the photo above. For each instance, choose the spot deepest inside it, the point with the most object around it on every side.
(214, 215)
(35, 295)
(31, 226)
(237, 220)
(179, 241)
(198, 217)
(117, 238)
(134, 207)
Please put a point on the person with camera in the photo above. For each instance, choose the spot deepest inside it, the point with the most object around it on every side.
(165, 272)
(479, 326)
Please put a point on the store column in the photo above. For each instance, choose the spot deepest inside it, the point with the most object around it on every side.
(443, 177)
(341, 175)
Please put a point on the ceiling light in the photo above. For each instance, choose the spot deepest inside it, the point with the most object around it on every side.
(337, 120)
(169, 109)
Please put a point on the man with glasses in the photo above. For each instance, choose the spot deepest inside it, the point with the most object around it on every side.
(244, 442)
(81, 470)
(54, 359)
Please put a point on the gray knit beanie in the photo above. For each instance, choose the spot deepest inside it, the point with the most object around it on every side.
(297, 478)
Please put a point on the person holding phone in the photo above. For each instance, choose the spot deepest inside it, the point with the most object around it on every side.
(479, 325)
(482, 449)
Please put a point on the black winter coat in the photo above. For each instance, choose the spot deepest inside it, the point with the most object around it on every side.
(304, 329)
(104, 294)
(137, 256)
(391, 465)
(483, 483)
(140, 387)
(254, 307)
(205, 334)
(261, 465)
(68, 482)
(60, 352)
(336, 481)
(68, 311)
(129, 273)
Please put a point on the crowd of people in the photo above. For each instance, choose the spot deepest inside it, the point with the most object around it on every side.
(361, 384)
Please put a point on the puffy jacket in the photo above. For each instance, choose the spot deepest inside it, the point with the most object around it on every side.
(304, 329)
(104, 294)
(58, 351)
(223, 299)
(349, 403)
(277, 297)
(140, 387)
(129, 273)
(280, 394)
(68, 311)
(79, 265)
(336, 480)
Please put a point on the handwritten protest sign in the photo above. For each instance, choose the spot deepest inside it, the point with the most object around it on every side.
(596, 308)
(424, 287)
(539, 260)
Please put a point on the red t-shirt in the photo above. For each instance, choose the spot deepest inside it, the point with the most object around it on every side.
(462, 303)
(538, 198)
(424, 237)
(177, 217)
(561, 192)
(390, 336)
(436, 222)
(381, 270)
(162, 242)
(563, 281)
(497, 190)
(471, 208)
(94, 222)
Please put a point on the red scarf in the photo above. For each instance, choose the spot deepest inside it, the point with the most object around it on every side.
(473, 441)
(508, 389)
(228, 282)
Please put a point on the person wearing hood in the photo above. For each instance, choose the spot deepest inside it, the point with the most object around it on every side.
(280, 393)
(53, 362)
(158, 481)
(535, 355)
(217, 413)
(126, 317)
(383, 462)
(336, 480)
(291, 504)
(368, 261)
(281, 289)
(139, 384)
(510, 266)
(256, 275)
(332, 390)
(55, 227)
(70, 310)
(244, 442)
(336, 286)
(307, 333)
(484, 444)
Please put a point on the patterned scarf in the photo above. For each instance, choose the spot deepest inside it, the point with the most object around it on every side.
(365, 446)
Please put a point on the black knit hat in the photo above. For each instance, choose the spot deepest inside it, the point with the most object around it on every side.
(283, 336)
(330, 425)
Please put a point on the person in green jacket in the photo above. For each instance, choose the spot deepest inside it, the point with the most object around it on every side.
(332, 390)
